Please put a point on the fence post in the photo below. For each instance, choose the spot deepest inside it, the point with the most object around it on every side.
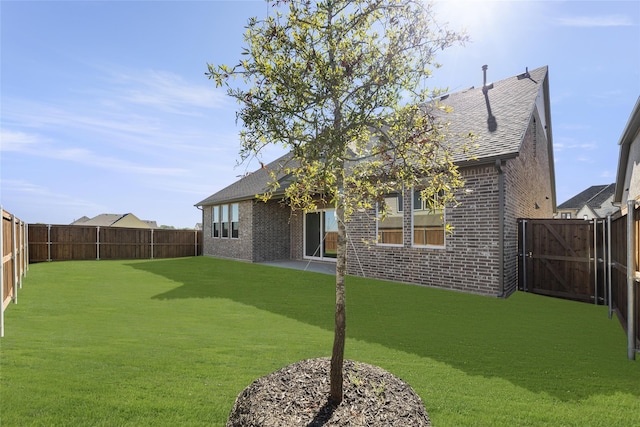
(610, 261)
(20, 253)
(49, 242)
(14, 261)
(524, 255)
(1, 272)
(26, 248)
(152, 243)
(631, 273)
(195, 242)
(595, 261)
(97, 242)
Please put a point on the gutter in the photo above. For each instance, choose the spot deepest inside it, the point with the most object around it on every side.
(501, 208)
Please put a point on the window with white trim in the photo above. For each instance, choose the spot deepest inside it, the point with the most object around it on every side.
(225, 221)
(215, 222)
(234, 220)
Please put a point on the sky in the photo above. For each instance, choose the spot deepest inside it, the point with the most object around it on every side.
(105, 107)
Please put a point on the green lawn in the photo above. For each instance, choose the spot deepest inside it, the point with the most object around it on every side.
(172, 342)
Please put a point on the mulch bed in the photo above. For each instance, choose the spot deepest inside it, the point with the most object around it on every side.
(297, 395)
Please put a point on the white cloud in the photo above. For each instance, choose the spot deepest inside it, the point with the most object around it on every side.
(564, 143)
(11, 140)
(595, 21)
(167, 92)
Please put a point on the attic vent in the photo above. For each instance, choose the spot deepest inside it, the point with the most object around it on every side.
(485, 87)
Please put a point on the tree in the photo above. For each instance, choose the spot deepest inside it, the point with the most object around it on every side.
(342, 85)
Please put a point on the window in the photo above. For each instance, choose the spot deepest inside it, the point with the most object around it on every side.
(389, 229)
(427, 221)
(234, 220)
(566, 215)
(215, 222)
(225, 221)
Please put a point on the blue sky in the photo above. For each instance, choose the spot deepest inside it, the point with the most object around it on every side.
(105, 108)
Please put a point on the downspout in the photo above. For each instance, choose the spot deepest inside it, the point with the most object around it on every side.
(500, 228)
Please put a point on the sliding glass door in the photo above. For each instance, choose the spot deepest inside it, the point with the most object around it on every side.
(321, 235)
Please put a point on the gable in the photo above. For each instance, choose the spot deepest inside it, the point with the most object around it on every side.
(499, 116)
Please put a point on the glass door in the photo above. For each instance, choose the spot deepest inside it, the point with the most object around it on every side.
(321, 235)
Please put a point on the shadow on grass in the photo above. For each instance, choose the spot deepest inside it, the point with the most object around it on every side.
(566, 349)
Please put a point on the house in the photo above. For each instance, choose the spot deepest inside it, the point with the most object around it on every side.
(511, 176)
(127, 220)
(628, 176)
(594, 202)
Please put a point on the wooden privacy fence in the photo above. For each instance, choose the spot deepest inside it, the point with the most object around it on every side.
(624, 277)
(13, 241)
(563, 258)
(592, 261)
(74, 242)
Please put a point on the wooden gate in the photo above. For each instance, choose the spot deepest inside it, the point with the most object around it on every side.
(563, 258)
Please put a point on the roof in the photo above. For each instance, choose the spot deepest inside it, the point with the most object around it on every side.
(498, 117)
(249, 185)
(111, 220)
(593, 197)
(102, 220)
(630, 131)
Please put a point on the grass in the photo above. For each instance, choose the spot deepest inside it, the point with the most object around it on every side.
(172, 342)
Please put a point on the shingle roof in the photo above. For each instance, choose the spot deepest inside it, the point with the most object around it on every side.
(248, 186)
(499, 120)
(103, 220)
(593, 197)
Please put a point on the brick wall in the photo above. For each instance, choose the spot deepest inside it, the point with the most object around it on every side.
(529, 192)
(468, 261)
(271, 231)
(297, 235)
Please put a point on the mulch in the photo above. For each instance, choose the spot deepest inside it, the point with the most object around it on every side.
(298, 395)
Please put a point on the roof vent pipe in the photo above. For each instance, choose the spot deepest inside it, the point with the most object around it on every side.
(485, 87)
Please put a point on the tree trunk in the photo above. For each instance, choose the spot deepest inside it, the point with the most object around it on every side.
(337, 356)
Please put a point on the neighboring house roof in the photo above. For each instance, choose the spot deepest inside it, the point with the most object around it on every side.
(80, 220)
(114, 220)
(593, 197)
(628, 136)
(498, 116)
